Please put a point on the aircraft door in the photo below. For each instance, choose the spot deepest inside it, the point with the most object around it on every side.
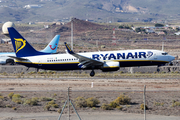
(155, 57)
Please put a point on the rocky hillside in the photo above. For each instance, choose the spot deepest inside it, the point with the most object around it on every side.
(93, 10)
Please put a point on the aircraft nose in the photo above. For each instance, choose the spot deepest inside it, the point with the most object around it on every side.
(172, 58)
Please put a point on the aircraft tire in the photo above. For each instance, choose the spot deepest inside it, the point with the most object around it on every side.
(92, 73)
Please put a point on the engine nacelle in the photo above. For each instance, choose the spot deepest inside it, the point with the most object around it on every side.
(2, 62)
(11, 61)
(110, 66)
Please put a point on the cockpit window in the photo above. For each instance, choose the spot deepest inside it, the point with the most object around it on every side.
(164, 53)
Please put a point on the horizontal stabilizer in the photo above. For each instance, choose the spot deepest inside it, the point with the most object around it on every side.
(17, 58)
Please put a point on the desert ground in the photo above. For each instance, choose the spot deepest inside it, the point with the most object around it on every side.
(161, 95)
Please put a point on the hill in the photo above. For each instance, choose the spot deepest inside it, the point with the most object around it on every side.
(97, 11)
(87, 34)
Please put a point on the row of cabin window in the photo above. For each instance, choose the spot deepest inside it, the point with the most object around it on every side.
(61, 60)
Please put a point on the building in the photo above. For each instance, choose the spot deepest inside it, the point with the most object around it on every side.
(6, 41)
(160, 33)
(178, 33)
(150, 30)
(32, 6)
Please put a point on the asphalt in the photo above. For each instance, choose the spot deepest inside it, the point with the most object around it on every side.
(84, 116)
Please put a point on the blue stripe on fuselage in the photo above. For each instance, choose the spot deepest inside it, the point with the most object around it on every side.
(74, 66)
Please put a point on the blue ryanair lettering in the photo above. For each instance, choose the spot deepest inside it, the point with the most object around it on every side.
(119, 55)
(95, 56)
(142, 54)
(112, 56)
(104, 56)
(136, 55)
(129, 55)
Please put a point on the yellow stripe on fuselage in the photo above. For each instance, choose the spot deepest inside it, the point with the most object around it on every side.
(78, 62)
(111, 67)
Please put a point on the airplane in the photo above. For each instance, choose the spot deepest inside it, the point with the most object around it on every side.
(104, 60)
(50, 48)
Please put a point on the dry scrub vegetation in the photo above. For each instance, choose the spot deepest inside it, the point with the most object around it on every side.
(17, 101)
(88, 101)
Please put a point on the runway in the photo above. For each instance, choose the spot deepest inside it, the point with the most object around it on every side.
(85, 84)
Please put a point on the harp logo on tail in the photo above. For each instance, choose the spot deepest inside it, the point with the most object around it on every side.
(19, 43)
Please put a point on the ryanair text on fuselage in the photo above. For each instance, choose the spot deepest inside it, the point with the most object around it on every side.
(118, 56)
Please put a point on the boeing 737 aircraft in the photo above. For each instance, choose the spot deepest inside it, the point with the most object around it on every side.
(50, 48)
(105, 60)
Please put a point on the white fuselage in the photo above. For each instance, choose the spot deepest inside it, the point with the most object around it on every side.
(126, 58)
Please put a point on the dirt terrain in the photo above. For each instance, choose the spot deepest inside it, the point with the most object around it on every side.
(160, 95)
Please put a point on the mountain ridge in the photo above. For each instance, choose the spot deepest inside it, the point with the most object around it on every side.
(95, 10)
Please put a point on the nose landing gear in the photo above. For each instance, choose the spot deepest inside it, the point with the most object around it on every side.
(170, 64)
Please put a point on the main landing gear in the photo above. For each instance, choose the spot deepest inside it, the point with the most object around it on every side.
(170, 64)
(158, 69)
(92, 73)
(37, 70)
(27, 69)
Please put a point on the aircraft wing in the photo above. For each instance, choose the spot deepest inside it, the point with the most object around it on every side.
(84, 61)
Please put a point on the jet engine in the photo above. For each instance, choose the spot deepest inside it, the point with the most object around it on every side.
(3, 62)
(110, 66)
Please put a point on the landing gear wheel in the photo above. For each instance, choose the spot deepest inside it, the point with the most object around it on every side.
(37, 70)
(170, 64)
(92, 73)
(158, 69)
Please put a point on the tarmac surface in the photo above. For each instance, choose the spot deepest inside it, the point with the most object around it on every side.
(84, 116)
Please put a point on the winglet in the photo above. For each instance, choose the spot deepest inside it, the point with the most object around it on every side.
(68, 49)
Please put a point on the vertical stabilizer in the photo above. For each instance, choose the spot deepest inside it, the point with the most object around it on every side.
(52, 46)
(21, 47)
